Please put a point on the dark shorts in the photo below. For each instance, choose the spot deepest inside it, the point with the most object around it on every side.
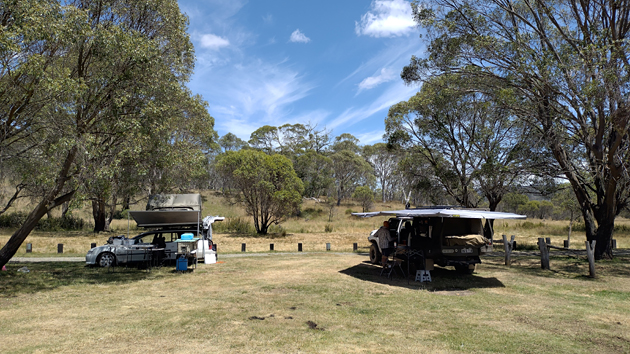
(386, 252)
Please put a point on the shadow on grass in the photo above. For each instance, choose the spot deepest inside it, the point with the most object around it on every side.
(442, 278)
(46, 276)
(565, 266)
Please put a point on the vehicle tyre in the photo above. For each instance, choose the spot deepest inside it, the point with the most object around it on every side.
(375, 254)
(106, 259)
(464, 269)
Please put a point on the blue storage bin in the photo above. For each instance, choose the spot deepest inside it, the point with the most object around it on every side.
(182, 264)
(187, 237)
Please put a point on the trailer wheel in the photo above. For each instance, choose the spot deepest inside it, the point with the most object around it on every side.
(375, 254)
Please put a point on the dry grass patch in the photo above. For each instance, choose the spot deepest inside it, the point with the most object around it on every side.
(315, 303)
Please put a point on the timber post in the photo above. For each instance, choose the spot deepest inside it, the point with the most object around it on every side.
(590, 248)
(507, 246)
(544, 253)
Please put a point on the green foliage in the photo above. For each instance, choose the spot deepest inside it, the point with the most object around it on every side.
(233, 225)
(17, 219)
(365, 196)
(267, 186)
(513, 201)
(328, 228)
(349, 211)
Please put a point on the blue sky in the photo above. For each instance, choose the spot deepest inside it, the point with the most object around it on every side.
(335, 64)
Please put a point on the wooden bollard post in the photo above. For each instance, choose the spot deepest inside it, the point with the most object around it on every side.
(355, 247)
(93, 245)
(271, 246)
(590, 248)
(566, 243)
(60, 248)
(513, 242)
(29, 248)
(614, 244)
(507, 246)
(544, 253)
(243, 247)
(548, 240)
(299, 247)
(327, 246)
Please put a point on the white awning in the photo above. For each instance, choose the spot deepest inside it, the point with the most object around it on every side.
(444, 213)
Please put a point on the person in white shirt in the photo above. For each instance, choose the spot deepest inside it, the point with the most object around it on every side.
(384, 238)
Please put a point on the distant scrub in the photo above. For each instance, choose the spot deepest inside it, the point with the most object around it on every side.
(233, 225)
(16, 220)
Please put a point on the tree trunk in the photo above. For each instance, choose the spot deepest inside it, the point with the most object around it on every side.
(98, 212)
(126, 203)
(64, 209)
(604, 235)
(48, 202)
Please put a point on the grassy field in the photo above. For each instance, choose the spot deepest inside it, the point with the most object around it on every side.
(316, 303)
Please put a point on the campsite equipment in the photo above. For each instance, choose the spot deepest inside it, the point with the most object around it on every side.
(182, 264)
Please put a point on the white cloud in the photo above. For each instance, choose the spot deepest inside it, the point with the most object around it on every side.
(387, 18)
(370, 82)
(268, 19)
(213, 42)
(395, 93)
(298, 37)
(372, 137)
(244, 97)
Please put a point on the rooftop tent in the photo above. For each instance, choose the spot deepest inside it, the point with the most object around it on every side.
(163, 218)
(175, 201)
(166, 210)
(445, 213)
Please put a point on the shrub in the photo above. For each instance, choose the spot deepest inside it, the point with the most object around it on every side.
(233, 225)
(16, 220)
(328, 228)
(349, 211)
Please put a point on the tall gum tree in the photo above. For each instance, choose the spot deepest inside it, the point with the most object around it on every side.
(565, 64)
(116, 55)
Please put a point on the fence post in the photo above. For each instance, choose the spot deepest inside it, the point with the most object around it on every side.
(566, 243)
(93, 245)
(507, 246)
(355, 247)
(60, 248)
(548, 240)
(243, 247)
(271, 246)
(590, 247)
(614, 244)
(299, 247)
(513, 242)
(29, 248)
(544, 253)
(327, 246)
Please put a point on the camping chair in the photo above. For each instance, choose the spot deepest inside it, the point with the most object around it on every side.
(394, 263)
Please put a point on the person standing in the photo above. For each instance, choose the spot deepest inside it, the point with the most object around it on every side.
(384, 238)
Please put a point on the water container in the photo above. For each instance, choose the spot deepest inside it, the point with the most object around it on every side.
(210, 257)
(182, 264)
(187, 237)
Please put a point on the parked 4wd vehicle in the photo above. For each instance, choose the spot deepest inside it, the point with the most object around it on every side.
(439, 235)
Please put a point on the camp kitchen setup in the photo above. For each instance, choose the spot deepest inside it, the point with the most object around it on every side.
(175, 234)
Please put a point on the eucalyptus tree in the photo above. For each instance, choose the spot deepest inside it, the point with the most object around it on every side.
(266, 185)
(384, 163)
(567, 64)
(116, 56)
(475, 148)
